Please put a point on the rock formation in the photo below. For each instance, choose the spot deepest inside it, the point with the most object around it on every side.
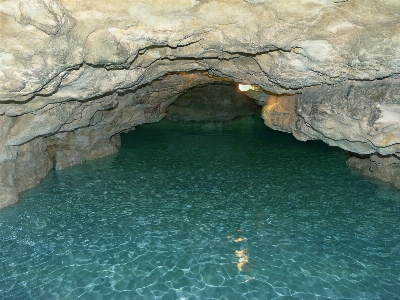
(76, 73)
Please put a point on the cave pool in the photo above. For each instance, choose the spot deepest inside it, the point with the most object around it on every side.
(168, 216)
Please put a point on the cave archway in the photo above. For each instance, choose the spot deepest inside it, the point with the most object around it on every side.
(75, 74)
(64, 134)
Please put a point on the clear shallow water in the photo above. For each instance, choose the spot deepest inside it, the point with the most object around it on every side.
(159, 221)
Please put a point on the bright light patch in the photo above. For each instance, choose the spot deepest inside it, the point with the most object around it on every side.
(245, 87)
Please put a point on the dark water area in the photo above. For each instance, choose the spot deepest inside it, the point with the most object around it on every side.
(204, 211)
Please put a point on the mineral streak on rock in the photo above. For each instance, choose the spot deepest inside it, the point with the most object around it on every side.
(76, 73)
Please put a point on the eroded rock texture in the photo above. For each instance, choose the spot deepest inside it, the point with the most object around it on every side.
(381, 167)
(76, 73)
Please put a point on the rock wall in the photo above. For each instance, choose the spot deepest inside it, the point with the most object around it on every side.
(76, 73)
(381, 167)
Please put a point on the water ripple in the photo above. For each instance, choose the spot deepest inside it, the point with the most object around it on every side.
(179, 209)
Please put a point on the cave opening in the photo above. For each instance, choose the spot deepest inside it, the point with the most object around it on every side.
(199, 205)
(212, 103)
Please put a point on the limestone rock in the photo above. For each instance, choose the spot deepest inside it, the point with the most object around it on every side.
(361, 117)
(279, 113)
(8, 189)
(57, 48)
(32, 164)
(74, 149)
(382, 168)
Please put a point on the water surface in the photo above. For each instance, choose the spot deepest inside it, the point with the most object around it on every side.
(159, 220)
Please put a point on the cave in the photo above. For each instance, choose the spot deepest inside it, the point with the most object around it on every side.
(75, 76)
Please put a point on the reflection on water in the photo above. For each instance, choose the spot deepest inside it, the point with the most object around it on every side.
(189, 211)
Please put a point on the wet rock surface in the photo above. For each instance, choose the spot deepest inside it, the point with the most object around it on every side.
(379, 167)
(362, 117)
(280, 113)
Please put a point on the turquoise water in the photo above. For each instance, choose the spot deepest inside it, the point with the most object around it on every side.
(159, 220)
